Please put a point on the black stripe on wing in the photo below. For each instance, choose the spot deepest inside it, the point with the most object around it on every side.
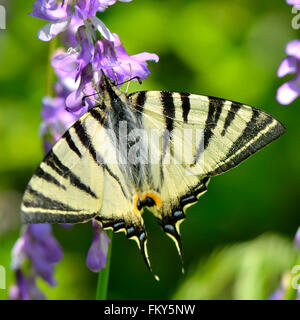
(140, 101)
(94, 112)
(185, 105)
(234, 108)
(87, 143)
(85, 139)
(214, 111)
(53, 161)
(168, 110)
(46, 217)
(71, 143)
(48, 177)
(260, 130)
(44, 202)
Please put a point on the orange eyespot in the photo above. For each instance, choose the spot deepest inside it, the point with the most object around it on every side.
(154, 196)
(138, 201)
(135, 201)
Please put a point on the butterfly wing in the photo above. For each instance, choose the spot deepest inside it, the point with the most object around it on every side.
(74, 183)
(201, 137)
(62, 189)
(81, 179)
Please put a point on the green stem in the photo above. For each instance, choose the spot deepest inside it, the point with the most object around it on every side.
(103, 276)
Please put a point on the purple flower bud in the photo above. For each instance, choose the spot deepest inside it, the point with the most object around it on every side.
(96, 258)
(39, 247)
(42, 234)
(20, 291)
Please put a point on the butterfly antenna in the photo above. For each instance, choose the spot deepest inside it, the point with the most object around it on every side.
(128, 80)
(117, 80)
(89, 96)
(128, 83)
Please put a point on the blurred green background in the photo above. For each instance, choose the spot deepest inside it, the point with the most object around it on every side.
(238, 238)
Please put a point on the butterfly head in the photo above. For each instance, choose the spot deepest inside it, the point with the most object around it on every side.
(112, 96)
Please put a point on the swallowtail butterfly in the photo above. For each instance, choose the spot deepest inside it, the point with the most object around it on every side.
(95, 171)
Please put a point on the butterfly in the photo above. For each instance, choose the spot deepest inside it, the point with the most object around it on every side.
(105, 167)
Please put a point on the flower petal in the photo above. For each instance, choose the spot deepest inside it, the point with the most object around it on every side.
(49, 10)
(144, 56)
(96, 258)
(293, 48)
(291, 2)
(65, 62)
(101, 27)
(52, 29)
(287, 66)
(18, 255)
(288, 92)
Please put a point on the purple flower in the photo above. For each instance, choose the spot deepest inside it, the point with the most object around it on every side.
(25, 289)
(90, 50)
(297, 239)
(293, 2)
(85, 9)
(112, 58)
(108, 56)
(57, 13)
(56, 119)
(37, 245)
(96, 258)
(65, 63)
(60, 15)
(72, 63)
(290, 90)
(74, 101)
(277, 295)
(69, 37)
